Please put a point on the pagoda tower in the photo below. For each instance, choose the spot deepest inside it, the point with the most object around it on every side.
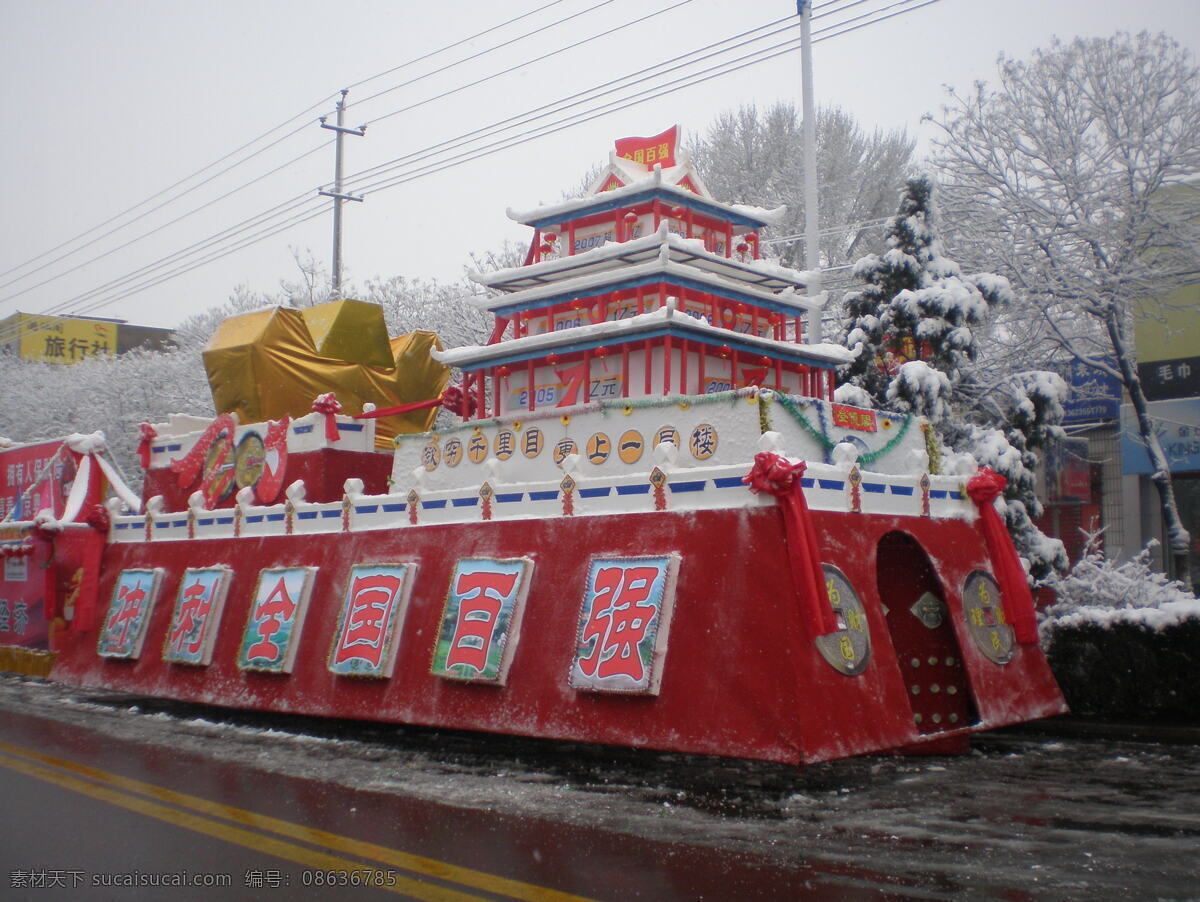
(645, 286)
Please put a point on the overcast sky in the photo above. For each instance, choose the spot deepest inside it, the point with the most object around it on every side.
(111, 103)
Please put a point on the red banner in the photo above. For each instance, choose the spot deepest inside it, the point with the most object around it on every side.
(20, 468)
(854, 418)
(648, 151)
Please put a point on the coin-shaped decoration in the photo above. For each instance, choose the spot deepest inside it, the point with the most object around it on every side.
(666, 434)
(703, 442)
(477, 448)
(531, 442)
(599, 446)
(985, 617)
(630, 446)
(847, 650)
(431, 455)
(250, 460)
(219, 465)
(564, 447)
(504, 444)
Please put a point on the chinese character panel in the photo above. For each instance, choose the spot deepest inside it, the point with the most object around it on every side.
(276, 616)
(371, 619)
(197, 616)
(128, 615)
(624, 623)
(481, 619)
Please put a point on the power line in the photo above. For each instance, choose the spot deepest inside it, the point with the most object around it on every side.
(252, 142)
(834, 30)
(725, 68)
(474, 56)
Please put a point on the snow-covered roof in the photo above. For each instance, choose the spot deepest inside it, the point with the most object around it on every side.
(661, 267)
(635, 328)
(617, 255)
(653, 185)
(628, 172)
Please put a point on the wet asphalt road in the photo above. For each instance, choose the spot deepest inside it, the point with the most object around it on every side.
(97, 784)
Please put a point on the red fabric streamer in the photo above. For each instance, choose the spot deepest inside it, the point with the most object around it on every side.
(773, 474)
(149, 434)
(87, 604)
(984, 488)
(451, 399)
(329, 405)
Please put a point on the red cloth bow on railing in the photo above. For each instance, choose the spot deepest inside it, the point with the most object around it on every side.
(984, 488)
(775, 475)
(329, 405)
(149, 434)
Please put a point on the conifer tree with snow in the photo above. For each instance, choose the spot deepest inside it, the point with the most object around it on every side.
(916, 324)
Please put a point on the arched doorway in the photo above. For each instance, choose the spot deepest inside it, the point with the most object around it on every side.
(927, 649)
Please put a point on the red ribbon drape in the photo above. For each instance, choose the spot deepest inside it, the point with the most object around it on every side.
(87, 602)
(780, 478)
(148, 435)
(984, 488)
(329, 405)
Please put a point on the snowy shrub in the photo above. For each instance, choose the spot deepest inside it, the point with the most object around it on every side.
(853, 395)
(1124, 641)
(1101, 592)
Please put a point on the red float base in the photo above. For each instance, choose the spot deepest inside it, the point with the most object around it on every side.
(739, 679)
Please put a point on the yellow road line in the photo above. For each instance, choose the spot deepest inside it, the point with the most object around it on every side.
(255, 841)
(418, 864)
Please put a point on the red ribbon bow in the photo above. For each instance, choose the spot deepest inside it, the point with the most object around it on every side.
(149, 434)
(329, 405)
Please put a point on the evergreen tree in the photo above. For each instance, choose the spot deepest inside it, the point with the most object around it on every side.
(916, 305)
(916, 321)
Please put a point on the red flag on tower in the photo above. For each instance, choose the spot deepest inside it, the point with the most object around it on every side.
(648, 151)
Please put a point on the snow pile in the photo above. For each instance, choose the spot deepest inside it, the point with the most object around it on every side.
(1100, 593)
(921, 389)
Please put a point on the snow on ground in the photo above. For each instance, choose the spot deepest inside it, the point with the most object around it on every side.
(1018, 815)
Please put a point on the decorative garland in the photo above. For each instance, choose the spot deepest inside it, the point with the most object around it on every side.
(933, 449)
(827, 444)
(624, 405)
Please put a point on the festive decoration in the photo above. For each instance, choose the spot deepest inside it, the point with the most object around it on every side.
(330, 406)
(848, 650)
(985, 618)
(133, 598)
(776, 476)
(855, 491)
(265, 364)
(658, 148)
(272, 634)
(197, 616)
(372, 614)
(481, 620)
(984, 488)
(624, 623)
(148, 434)
(567, 487)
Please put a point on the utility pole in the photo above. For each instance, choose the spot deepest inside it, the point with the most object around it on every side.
(337, 195)
(812, 259)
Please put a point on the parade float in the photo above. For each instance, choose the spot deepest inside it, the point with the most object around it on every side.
(643, 520)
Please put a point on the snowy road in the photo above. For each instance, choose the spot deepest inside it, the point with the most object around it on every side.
(1020, 817)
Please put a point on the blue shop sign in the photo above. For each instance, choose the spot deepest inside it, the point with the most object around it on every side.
(1095, 395)
(1178, 426)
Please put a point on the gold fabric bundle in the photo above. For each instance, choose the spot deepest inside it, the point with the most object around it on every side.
(265, 364)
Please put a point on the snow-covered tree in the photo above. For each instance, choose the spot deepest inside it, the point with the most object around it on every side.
(756, 156)
(916, 322)
(1076, 175)
(916, 303)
